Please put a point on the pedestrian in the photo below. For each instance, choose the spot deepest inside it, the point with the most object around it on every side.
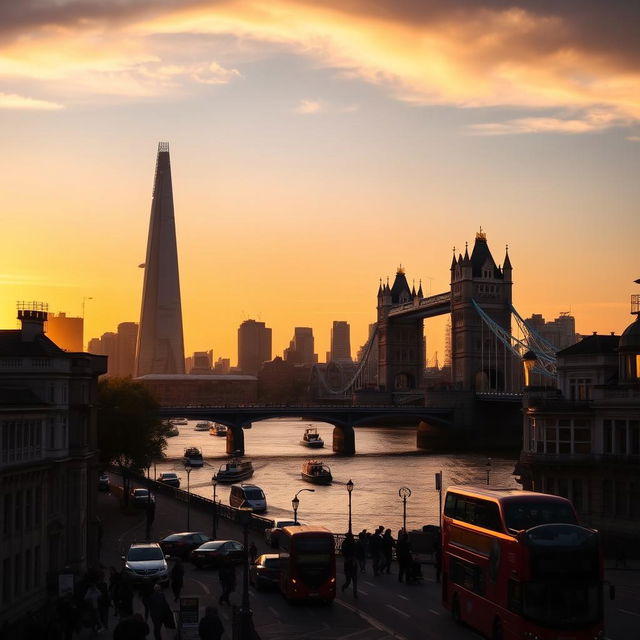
(160, 612)
(145, 591)
(403, 553)
(375, 547)
(361, 550)
(211, 627)
(90, 600)
(253, 552)
(131, 628)
(125, 596)
(177, 579)
(104, 603)
(350, 563)
(388, 543)
(227, 576)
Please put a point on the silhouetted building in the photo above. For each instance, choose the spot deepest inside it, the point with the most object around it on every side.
(254, 346)
(222, 366)
(65, 331)
(301, 347)
(561, 332)
(160, 339)
(200, 362)
(581, 438)
(48, 464)
(120, 349)
(283, 382)
(340, 341)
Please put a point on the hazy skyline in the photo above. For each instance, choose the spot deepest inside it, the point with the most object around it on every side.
(315, 146)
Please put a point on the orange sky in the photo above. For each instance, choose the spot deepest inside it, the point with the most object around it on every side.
(315, 146)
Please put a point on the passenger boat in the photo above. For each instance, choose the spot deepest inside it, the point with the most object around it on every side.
(173, 431)
(218, 430)
(179, 421)
(316, 472)
(202, 426)
(311, 438)
(193, 457)
(234, 471)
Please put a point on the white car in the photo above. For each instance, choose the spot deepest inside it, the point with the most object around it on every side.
(146, 562)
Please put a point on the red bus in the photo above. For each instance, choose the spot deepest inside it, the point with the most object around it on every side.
(517, 566)
(307, 563)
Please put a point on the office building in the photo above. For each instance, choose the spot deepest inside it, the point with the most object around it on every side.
(301, 347)
(160, 338)
(65, 331)
(200, 362)
(561, 332)
(120, 349)
(340, 342)
(254, 346)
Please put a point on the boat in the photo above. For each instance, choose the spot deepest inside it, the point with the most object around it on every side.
(234, 471)
(193, 457)
(202, 426)
(316, 472)
(179, 421)
(173, 431)
(218, 430)
(311, 438)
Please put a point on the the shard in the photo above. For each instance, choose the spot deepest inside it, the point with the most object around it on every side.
(160, 339)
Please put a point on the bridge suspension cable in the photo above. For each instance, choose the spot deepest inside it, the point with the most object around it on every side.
(544, 351)
(361, 365)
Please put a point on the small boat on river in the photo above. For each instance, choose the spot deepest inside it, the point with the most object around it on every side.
(203, 426)
(179, 421)
(316, 472)
(311, 438)
(234, 471)
(218, 430)
(193, 457)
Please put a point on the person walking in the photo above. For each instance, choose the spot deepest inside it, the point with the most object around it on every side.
(160, 611)
(348, 550)
(403, 553)
(177, 579)
(227, 575)
(104, 602)
(388, 543)
(90, 600)
(211, 627)
(375, 546)
(361, 551)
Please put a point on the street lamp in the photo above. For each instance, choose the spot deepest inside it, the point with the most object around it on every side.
(246, 623)
(295, 503)
(188, 469)
(349, 490)
(404, 493)
(214, 530)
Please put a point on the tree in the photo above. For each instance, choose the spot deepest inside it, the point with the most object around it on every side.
(130, 431)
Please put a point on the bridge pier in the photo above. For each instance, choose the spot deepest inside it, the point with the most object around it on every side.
(235, 441)
(344, 440)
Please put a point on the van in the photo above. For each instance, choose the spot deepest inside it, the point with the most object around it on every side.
(248, 495)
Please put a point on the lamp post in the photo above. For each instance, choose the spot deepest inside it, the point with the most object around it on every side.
(488, 469)
(349, 490)
(188, 469)
(214, 528)
(246, 623)
(404, 493)
(295, 503)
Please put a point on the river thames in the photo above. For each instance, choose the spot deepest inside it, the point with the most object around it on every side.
(386, 459)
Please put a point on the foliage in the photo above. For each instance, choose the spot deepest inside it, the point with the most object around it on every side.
(130, 431)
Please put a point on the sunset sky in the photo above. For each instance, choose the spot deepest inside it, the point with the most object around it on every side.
(315, 146)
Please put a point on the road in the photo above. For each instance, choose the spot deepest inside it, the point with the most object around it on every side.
(385, 609)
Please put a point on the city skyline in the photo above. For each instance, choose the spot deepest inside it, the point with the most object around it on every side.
(316, 148)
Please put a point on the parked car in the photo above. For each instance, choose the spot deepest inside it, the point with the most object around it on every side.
(212, 553)
(265, 572)
(248, 495)
(140, 497)
(170, 478)
(182, 544)
(103, 482)
(271, 535)
(146, 562)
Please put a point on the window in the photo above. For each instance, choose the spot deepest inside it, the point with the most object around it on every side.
(27, 570)
(28, 506)
(6, 525)
(634, 437)
(607, 437)
(468, 575)
(580, 389)
(482, 513)
(17, 572)
(620, 437)
(18, 511)
(6, 581)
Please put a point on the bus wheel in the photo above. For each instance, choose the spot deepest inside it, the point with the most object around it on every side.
(497, 630)
(455, 610)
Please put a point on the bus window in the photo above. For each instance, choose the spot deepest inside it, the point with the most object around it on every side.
(520, 516)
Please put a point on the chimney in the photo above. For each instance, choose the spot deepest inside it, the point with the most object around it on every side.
(32, 315)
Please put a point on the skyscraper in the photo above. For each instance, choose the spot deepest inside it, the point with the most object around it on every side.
(340, 341)
(254, 346)
(301, 347)
(160, 339)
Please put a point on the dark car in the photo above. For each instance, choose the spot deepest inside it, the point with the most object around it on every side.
(141, 497)
(265, 573)
(214, 552)
(182, 544)
(170, 478)
(103, 482)
(271, 535)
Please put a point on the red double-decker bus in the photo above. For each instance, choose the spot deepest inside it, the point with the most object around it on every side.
(307, 563)
(516, 565)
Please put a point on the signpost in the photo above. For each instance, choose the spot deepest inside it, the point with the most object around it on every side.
(188, 619)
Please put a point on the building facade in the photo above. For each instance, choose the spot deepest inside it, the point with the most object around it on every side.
(48, 463)
(560, 332)
(301, 348)
(120, 349)
(581, 439)
(65, 331)
(340, 342)
(254, 346)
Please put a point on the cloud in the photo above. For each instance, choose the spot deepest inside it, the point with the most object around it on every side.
(309, 106)
(14, 101)
(575, 56)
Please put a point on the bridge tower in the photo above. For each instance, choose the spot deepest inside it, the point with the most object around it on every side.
(401, 348)
(476, 361)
